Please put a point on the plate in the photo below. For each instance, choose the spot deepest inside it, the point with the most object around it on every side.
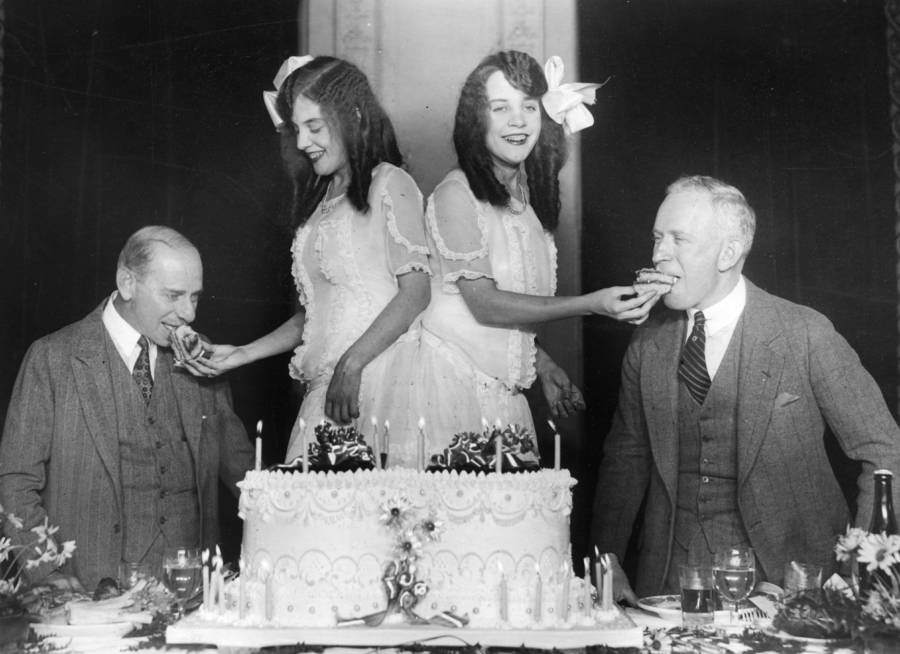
(665, 606)
(783, 635)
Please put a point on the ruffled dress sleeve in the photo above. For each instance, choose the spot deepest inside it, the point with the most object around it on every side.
(406, 245)
(459, 231)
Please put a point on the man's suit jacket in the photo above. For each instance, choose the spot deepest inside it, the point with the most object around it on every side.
(796, 373)
(59, 456)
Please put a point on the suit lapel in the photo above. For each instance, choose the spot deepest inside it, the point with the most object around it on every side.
(90, 371)
(761, 367)
(659, 382)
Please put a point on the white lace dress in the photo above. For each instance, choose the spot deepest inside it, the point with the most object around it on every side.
(345, 266)
(464, 371)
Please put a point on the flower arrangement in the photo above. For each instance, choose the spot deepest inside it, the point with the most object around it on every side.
(477, 451)
(878, 558)
(33, 548)
(336, 448)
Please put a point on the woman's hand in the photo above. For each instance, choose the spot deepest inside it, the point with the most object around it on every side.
(216, 360)
(342, 396)
(611, 302)
(563, 397)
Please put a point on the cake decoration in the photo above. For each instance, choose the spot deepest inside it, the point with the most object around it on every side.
(477, 451)
(337, 448)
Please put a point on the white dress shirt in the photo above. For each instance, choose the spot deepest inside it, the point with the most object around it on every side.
(721, 319)
(125, 337)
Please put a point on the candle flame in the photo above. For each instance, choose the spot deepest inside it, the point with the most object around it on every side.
(421, 423)
(387, 424)
(484, 422)
(552, 426)
(375, 422)
(258, 428)
(596, 552)
(204, 556)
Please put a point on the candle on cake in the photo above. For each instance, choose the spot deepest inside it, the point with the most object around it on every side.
(376, 443)
(587, 586)
(387, 441)
(204, 560)
(304, 457)
(218, 582)
(498, 457)
(606, 597)
(242, 601)
(556, 445)
(258, 444)
(420, 450)
(598, 569)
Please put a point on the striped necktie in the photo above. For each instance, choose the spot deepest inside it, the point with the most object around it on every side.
(692, 368)
(141, 372)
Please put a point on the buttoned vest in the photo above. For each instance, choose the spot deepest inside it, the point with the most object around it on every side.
(159, 487)
(707, 517)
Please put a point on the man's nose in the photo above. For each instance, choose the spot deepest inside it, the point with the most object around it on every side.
(187, 310)
(660, 252)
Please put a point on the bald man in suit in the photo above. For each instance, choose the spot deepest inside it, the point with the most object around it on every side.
(107, 439)
(722, 410)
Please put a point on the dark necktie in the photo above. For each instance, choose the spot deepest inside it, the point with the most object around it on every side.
(141, 372)
(692, 369)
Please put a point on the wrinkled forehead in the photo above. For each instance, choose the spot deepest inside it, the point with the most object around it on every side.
(686, 211)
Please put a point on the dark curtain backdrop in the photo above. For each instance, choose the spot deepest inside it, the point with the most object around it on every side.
(789, 102)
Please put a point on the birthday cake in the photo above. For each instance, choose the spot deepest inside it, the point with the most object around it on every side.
(456, 545)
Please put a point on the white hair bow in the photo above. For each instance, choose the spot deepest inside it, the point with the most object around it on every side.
(564, 103)
(269, 97)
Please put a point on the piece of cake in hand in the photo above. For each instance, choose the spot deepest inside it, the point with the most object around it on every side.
(186, 344)
(646, 279)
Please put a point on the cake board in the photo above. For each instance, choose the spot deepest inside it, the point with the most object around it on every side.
(619, 632)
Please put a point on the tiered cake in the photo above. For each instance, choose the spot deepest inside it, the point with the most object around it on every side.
(492, 549)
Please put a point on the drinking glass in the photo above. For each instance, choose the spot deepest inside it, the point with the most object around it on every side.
(800, 577)
(131, 573)
(734, 571)
(182, 572)
(698, 600)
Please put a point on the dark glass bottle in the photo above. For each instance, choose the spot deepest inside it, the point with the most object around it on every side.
(884, 521)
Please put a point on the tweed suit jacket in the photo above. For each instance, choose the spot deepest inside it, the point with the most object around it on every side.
(795, 374)
(59, 456)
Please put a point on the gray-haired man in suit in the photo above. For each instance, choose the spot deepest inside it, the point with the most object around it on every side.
(107, 439)
(722, 410)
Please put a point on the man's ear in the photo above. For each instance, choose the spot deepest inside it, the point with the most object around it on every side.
(125, 283)
(731, 253)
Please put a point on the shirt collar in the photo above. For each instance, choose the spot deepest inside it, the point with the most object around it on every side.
(123, 335)
(726, 311)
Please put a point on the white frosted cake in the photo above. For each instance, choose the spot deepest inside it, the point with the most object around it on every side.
(491, 549)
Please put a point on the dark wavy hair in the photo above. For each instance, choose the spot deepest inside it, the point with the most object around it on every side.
(353, 114)
(470, 132)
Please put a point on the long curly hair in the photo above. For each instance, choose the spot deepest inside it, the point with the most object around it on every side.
(353, 114)
(470, 133)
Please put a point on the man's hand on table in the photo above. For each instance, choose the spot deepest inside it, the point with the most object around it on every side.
(622, 591)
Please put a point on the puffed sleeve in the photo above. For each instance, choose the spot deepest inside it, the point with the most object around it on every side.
(401, 201)
(459, 233)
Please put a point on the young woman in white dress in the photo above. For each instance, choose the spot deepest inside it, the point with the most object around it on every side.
(359, 252)
(490, 228)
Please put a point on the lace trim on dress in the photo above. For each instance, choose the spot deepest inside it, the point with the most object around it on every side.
(446, 252)
(449, 284)
(391, 220)
(411, 266)
(551, 248)
(305, 294)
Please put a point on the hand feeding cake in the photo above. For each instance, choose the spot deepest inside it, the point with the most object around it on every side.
(446, 546)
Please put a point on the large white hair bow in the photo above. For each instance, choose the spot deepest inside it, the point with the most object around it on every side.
(269, 97)
(564, 103)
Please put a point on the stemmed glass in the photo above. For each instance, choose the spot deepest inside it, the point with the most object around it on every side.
(182, 572)
(734, 571)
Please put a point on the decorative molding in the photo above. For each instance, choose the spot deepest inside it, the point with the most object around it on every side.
(892, 13)
(357, 35)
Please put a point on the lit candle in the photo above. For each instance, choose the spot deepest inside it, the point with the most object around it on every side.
(420, 455)
(556, 445)
(204, 559)
(304, 457)
(564, 592)
(484, 425)
(598, 570)
(242, 600)
(606, 601)
(376, 443)
(220, 581)
(504, 595)
(387, 441)
(587, 586)
(498, 458)
(259, 444)
(538, 592)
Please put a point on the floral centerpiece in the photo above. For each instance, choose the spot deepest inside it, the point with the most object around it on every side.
(24, 551)
(477, 451)
(869, 611)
